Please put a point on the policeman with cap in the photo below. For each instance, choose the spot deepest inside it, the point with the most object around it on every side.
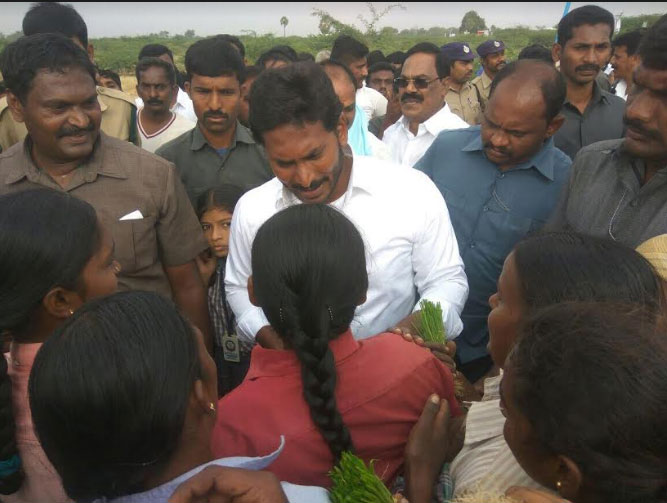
(492, 56)
(462, 96)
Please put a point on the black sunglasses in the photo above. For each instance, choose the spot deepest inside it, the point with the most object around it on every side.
(419, 82)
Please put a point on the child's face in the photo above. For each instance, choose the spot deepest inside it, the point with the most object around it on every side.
(215, 223)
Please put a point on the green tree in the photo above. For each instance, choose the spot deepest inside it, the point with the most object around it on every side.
(284, 22)
(472, 23)
(371, 22)
(189, 34)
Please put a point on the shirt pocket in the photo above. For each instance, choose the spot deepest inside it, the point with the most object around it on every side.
(135, 244)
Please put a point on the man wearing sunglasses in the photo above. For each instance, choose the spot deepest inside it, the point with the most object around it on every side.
(501, 181)
(422, 86)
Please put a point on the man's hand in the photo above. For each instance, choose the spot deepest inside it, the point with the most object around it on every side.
(443, 352)
(217, 484)
(426, 450)
(525, 495)
(268, 338)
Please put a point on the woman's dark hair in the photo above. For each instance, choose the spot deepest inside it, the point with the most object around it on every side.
(224, 196)
(309, 274)
(24, 58)
(46, 239)
(10, 483)
(591, 378)
(213, 57)
(296, 94)
(109, 392)
(550, 81)
(561, 266)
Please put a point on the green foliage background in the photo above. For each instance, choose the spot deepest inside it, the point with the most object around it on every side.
(120, 53)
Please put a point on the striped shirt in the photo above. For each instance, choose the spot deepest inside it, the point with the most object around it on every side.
(486, 461)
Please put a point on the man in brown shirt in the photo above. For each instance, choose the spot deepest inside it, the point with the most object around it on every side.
(462, 97)
(137, 195)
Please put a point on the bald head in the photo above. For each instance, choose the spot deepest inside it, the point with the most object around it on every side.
(529, 78)
(522, 112)
(344, 86)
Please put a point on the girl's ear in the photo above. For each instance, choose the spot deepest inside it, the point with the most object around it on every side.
(61, 303)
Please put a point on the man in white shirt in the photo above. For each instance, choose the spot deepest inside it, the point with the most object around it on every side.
(181, 102)
(624, 61)
(422, 87)
(353, 54)
(156, 84)
(412, 249)
(359, 138)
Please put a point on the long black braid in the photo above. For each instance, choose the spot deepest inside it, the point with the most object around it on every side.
(309, 274)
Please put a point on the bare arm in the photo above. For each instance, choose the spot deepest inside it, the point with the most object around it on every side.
(190, 296)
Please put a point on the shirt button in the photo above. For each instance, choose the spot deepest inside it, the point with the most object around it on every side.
(486, 208)
(501, 175)
(634, 203)
(472, 245)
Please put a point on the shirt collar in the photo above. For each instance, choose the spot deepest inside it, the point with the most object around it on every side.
(486, 81)
(598, 96)
(435, 124)
(90, 168)
(164, 492)
(542, 161)
(277, 363)
(360, 180)
(241, 134)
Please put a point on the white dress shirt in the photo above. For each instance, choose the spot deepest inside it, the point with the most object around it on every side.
(411, 249)
(621, 89)
(406, 148)
(372, 102)
(183, 106)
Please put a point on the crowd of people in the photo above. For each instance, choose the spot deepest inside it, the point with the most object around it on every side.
(214, 291)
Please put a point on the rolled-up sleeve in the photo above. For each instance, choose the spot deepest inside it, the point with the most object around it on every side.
(438, 267)
(249, 318)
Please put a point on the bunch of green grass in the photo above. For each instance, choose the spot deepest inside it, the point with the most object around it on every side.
(431, 327)
(354, 482)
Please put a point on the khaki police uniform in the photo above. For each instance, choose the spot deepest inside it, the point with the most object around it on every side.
(482, 84)
(119, 119)
(465, 103)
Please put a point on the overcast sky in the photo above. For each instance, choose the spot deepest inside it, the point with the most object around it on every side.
(110, 19)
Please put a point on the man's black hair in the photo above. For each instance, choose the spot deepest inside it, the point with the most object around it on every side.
(110, 74)
(551, 82)
(235, 41)
(396, 58)
(277, 53)
(24, 58)
(442, 64)
(629, 40)
(653, 47)
(305, 56)
(348, 49)
(3, 87)
(155, 51)
(251, 72)
(379, 67)
(376, 56)
(53, 17)
(146, 63)
(536, 51)
(340, 66)
(586, 15)
(213, 57)
(296, 94)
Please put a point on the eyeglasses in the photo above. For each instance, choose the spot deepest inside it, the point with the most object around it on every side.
(419, 82)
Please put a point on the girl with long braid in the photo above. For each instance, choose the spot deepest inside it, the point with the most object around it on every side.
(317, 386)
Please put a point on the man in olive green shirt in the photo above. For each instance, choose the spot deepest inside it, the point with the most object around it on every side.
(219, 149)
(462, 96)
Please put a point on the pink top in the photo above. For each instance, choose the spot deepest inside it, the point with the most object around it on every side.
(41, 483)
(382, 388)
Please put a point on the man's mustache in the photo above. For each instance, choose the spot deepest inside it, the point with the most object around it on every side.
(640, 128)
(74, 131)
(155, 102)
(488, 146)
(587, 67)
(412, 96)
(216, 115)
(314, 185)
